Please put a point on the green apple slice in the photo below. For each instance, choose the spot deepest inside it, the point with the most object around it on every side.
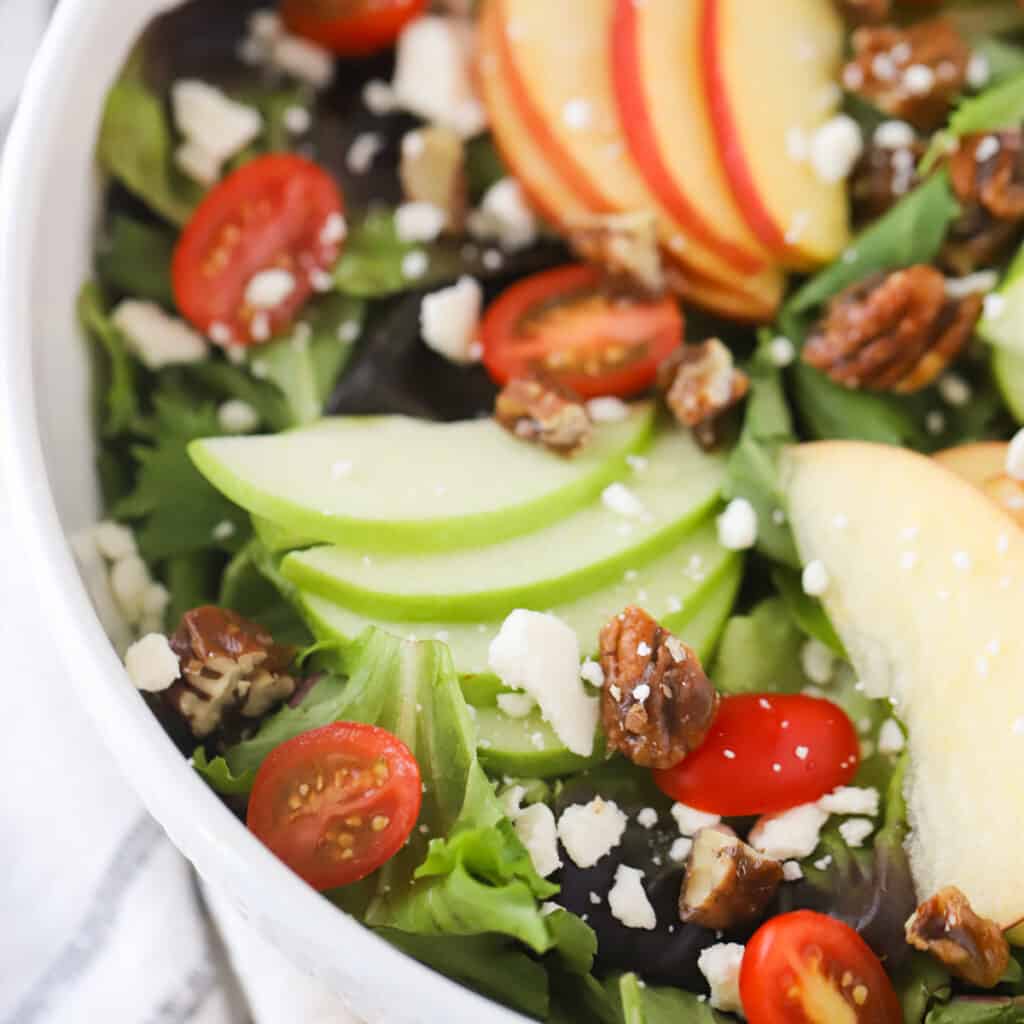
(676, 487)
(390, 483)
(925, 582)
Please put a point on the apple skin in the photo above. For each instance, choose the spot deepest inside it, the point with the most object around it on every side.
(754, 88)
(287, 478)
(655, 75)
(977, 462)
(938, 634)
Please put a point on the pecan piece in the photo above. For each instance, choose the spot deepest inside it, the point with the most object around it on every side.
(975, 240)
(625, 245)
(545, 413)
(913, 74)
(971, 947)
(656, 704)
(865, 12)
(893, 332)
(987, 170)
(701, 382)
(230, 667)
(728, 884)
(883, 176)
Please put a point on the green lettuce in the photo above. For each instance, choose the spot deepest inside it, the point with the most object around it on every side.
(760, 652)
(644, 1004)
(134, 259)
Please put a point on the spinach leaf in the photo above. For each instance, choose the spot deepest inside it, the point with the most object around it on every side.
(135, 260)
(978, 1010)
(760, 652)
(920, 982)
(136, 147)
(644, 1004)
(484, 166)
(192, 580)
(806, 611)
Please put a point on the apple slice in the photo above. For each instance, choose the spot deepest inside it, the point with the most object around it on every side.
(770, 70)
(925, 580)
(656, 68)
(976, 463)
(558, 63)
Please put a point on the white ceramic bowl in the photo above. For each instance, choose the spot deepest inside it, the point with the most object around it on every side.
(49, 206)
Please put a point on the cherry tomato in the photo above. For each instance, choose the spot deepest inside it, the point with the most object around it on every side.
(352, 28)
(572, 326)
(806, 968)
(277, 212)
(766, 753)
(337, 802)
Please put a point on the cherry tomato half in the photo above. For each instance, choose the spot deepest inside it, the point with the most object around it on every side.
(352, 28)
(766, 753)
(572, 326)
(337, 802)
(806, 968)
(277, 212)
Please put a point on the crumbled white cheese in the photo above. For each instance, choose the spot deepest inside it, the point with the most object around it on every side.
(297, 119)
(129, 579)
(851, 800)
(449, 320)
(1015, 456)
(212, 121)
(781, 351)
(954, 390)
(535, 826)
(835, 147)
(622, 501)
(737, 525)
(972, 284)
(690, 821)
(791, 834)
(890, 737)
(114, 540)
(516, 705)
(791, 871)
(590, 831)
(720, 965)
(269, 288)
(237, 417)
(197, 163)
(591, 672)
(647, 818)
(540, 654)
(815, 578)
(434, 76)
(994, 306)
(303, 59)
(978, 71)
(364, 150)
(379, 97)
(817, 661)
(607, 409)
(894, 135)
(152, 665)
(415, 264)
(855, 830)
(157, 338)
(628, 901)
(504, 215)
(919, 79)
(419, 221)
(680, 849)
(223, 531)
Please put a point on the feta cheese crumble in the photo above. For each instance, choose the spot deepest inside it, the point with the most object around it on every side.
(690, 821)
(781, 351)
(814, 578)
(680, 849)
(737, 525)
(647, 818)
(156, 337)
(628, 900)
(890, 737)
(535, 826)
(591, 672)
(851, 800)
(817, 661)
(835, 147)
(215, 128)
(516, 705)
(504, 215)
(590, 831)
(237, 417)
(894, 135)
(622, 501)
(269, 288)
(419, 221)
(720, 965)
(855, 830)
(792, 834)
(540, 655)
(449, 320)
(607, 409)
(152, 665)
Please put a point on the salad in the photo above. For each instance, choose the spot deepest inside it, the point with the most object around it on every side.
(561, 484)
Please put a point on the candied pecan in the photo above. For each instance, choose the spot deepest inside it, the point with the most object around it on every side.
(883, 176)
(543, 412)
(893, 332)
(728, 884)
(971, 947)
(987, 169)
(865, 12)
(656, 704)
(625, 245)
(432, 169)
(977, 240)
(913, 73)
(229, 667)
(701, 382)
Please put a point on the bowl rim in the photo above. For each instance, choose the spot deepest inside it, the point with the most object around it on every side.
(196, 820)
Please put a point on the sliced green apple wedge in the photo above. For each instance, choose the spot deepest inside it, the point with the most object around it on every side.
(925, 581)
(390, 483)
(673, 491)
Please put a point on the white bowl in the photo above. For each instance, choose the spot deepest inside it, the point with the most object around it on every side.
(49, 200)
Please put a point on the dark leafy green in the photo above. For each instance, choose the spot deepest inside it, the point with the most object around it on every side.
(484, 166)
(644, 1004)
(920, 982)
(134, 259)
(760, 652)
(978, 1010)
(192, 580)
(806, 611)
(1004, 58)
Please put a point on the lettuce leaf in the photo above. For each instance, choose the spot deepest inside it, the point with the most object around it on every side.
(644, 1004)
(978, 1010)
(760, 652)
(134, 259)
(807, 612)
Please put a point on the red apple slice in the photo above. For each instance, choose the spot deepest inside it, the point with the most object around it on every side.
(770, 71)
(559, 65)
(660, 93)
(754, 299)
